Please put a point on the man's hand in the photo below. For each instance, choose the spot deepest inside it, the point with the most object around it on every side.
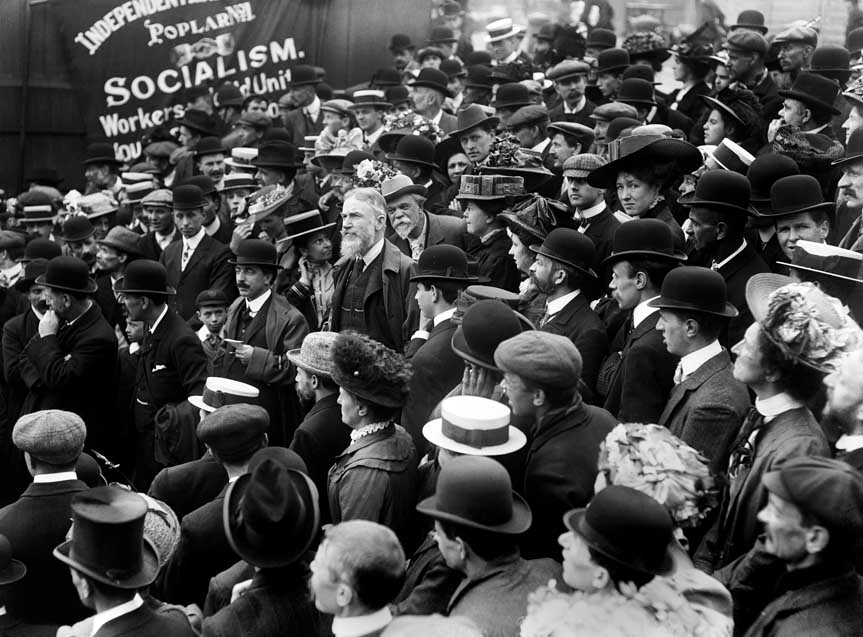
(241, 232)
(243, 353)
(49, 323)
(477, 381)
(240, 589)
(773, 128)
(305, 275)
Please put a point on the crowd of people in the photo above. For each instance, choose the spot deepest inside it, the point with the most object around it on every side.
(500, 342)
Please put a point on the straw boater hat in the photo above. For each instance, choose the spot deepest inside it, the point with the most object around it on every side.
(826, 260)
(474, 426)
(219, 392)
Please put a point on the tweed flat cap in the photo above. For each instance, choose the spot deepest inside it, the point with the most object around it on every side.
(161, 198)
(549, 360)
(747, 41)
(52, 435)
(234, 432)
(527, 116)
(801, 34)
(612, 110)
(580, 166)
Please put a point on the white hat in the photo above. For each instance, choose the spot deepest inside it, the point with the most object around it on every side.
(502, 29)
(219, 392)
(241, 157)
(474, 426)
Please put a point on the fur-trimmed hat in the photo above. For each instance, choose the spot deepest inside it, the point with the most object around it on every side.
(370, 370)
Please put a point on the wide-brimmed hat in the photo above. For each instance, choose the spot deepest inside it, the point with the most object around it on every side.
(315, 354)
(826, 260)
(723, 108)
(502, 29)
(368, 369)
(529, 217)
(122, 239)
(750, 19)
(489, 187)
(476, 492)
(627, 527)
(69, 274)
(644, 239)
(145, 276)
(306, 223)
(433, 79)
(219, 392)
(472, 117)
(414, 149)
(11, 570)
(303, 75)
(644, 150)
(474, 426)
(485, 325)
(198, 121)
(765, 171)
(266, 201)
(795, 194)
(400, 185)
(256, 252)
(100, 153)
(815, 91)
(108, 543)
(277, 154)
(443, 263)
(570, 247)
(723, 190)
(695, 289)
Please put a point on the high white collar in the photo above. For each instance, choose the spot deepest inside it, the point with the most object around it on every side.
(776, 405)
(642, 311)
(692, 361)
(100, 619)
(363, 625)
(555, 306)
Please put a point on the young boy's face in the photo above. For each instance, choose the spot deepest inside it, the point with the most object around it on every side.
(334, 122)
(213, 317)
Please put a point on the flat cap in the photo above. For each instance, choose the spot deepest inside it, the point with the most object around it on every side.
(580, 166)
(549, 360)
(567, 68)
(748, 41)
(528, 115)
(608, 112)
(160, 149)
(255, 119)
(209, 298)
(161, 197)
(52, 436)
(801, 34)
(234, 432)
(829, 490)
(11, 239)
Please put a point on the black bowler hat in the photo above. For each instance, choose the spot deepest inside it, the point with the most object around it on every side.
(628, 527)
(815, 91)
(277, 154)
(401, 42)
(77, 228)
(695, 289)
(144, 276)
(512, 95)
(414, 149)
(434, 79)
(187, 197)
(763, 172)
(100, 153)
(795, 194)
(612, 61)
(442, 34)
(40, 248)
(306, 223)
(209, 146)
(479, 76)
(33, 269)
(69, 274)
(443, 263)
(569, 247)
(386, 76)
(854, 149)
(830, 58)
(198, 121)
(723, 190)
(11, 570)
(750, 19)
(203, 182)
(303, 75)
(476, 492)
(477, 57)
(485, 325)
(601, 39)
(635, 90)
(256, 252)
(108, 542)
(45, 176)
(396, 95)
(453, 68)
(644, 239)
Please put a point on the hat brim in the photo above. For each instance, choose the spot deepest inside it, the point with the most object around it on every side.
(260, 264)
(349, 384)
(144, 577)
(436, 277)
(690, 201)
(756, 27)
(516, 224)
(411, 160)
(276, 164)
(617, 68)
(433, 432)
(809, 101)
(413, 189)
(627, 255)
(431, 85)
(460, 347)
(516, 30)
(26, 220)
(662, 303)
(117, 246)
(715, 103)
(516, 525)
(847, 160)
(13, 572)
(686, 156)
(119, 287)
(841, 277)
(102, 160)
(326, 226)
(492, 121)
(357, 105)
(90, 289)
(295, 356)
(195, 127)
(198, 401)
(776, 214)
(588, 271)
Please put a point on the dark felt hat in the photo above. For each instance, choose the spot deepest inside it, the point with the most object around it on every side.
(203, 182)
(570, 247)
(442, 34)
(108, 542)
(401, 42)
(471, 117)
(636, 90)
(854, 149)
(644, 239)
(234, 432)
(763, 172)
(723, 190)
(44, 176)
(303, 75)
(187, 197)
(33, 269)
(512, 95)
(830, 58)
(628, 527)
(100, 153)
(601, 39)
(414, 149)
(349, 163)
(644, 149)
(228, 95)
(442, 263)
(695, 289)
(77, 228)
(641, 72)
(277, 154)
(122, 239)
(477, 57)
(476, 492)
(69, 274)
(386, 76)
(547, 32)
(453, 68)
(795, 194)
(145, 277)
(485, 325)
(197, 121)
(612, 61)
(432, 78)
(209, 146)
(40, 248)
(368, 369)
(396, 95)
(430, 52)
(256, 252)
(11, 570)
(815, 91)
(750, 19)
(479, 76)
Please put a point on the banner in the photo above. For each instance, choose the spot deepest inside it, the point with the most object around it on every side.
(132, 61)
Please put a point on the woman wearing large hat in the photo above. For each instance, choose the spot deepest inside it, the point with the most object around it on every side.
(736, 116)
(312, 291)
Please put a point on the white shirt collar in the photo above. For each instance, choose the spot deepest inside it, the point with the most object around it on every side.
(159, 320)
(776, 405)
(164, 240)
(555, 306)
(100, 619)
(642, 311)
(589, 213)
(443, 316)
(356, 626)
(89, 305)
(541, 146)
(60, 476)
(373, 253)
(849, 443)
(2, 610)
(683, 91)
(192, 242)
(314, 108)
(724, 262)
(256, 305)
(213, 228)
(578, 107)
(512, 57)
(436, 119)
(692, 361)
(38, 314)
(371, 138)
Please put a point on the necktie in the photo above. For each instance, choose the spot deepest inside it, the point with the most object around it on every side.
(743, 450)
(679, 376)
(252, 314)
(187, 254)
(545, 318)
(416, 249)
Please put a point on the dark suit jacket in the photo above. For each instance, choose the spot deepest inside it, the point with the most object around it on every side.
(584, 328)
(318, 440)
(208, 268)
(672, 119)
(706, 410)
(495, 262)
(17, 332)
(737, 273)
(556, 114)
(111, 309)
(440, 229)
(145, 622)
(300, 125)
(768, 94)
(448, 123)
(150, 248)
(600, 230)
(190, 485)
(643, 381)
(35, 525)
(75, 370)
(691, 103)
(11, 626)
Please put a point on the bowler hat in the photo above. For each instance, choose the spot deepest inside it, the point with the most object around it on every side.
(401, 42)
(442, 263)
(794, 194)
(271, 515)
(77, 228)
(145, 277)
(432, 78)
(628, 527)
(641, 72)
(635, 90)
(642, 150)
(187, 197)
(471, 117)
(315, 354)
(488, 187)
(484, 326)
(369, 98)
(830, 58)
(219, 392)
(277, 154)
(11, 570)
(209, 146)
(44, 176)
(854, 149)
(256, 252)
(695, 289)
(205, 183)
(211, 298)
(414, 149)
(305, 223)
(547, 32)
(479, 76)
(644, 239)
(122, 239)
(750, 19)
(601, 39)
(763, 172)
(303, 75)
(400, 185)
(33, 268)
(826, 260)
(452, 8)
(476, 492)
(51, 436)
(100, 153)
(198, 121)
(612, 61)
(854, 40)
(474, 426)
(228, 95)
(611, 110)
(234, 431)
(732, 156)
(386, 76)
(512, 95)
(569, 247)
(396, 95)
(747, 42)
(69, 274)
(722, 190)
(40, 248)
(11, 239)
(108, 542)
(815, 91)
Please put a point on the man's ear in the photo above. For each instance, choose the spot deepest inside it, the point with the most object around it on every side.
(817, 539)
(721, 230)
(538, 397)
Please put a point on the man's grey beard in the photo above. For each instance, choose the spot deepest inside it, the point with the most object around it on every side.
(353, 246)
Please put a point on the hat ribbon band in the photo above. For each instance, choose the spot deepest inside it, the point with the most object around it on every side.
(215, 398)
(113, 574)
(45, 208)
(475, 437)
